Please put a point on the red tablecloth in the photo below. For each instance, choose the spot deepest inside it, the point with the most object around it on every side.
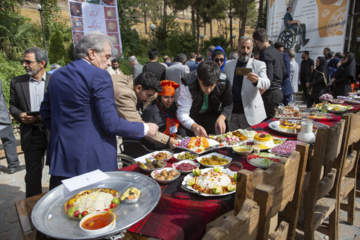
(184, 215)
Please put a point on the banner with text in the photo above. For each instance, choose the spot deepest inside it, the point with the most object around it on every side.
(322, 24)
(96, 15)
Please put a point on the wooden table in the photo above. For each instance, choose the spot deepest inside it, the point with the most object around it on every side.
(24, 208)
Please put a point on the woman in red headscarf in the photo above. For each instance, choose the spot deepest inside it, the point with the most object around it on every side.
(162, 111)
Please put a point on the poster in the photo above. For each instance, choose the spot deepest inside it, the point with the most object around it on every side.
(96, 15)
(324, 21)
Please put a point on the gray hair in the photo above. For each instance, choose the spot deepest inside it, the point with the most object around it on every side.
(94, 40)
(291, 53)
(246, 38)
(133, 59)
(55, 66)
(40, 54)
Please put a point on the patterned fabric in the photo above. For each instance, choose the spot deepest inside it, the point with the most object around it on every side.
(184, 215)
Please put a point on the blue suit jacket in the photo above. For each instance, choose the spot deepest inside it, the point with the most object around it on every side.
(79, 109)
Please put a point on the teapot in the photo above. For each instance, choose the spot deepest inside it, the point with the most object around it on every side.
(306, 134)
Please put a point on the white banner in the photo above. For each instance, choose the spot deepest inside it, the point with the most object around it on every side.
(325, 23)
(96, 15)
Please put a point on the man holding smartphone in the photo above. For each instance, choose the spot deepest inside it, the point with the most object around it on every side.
(247, 77)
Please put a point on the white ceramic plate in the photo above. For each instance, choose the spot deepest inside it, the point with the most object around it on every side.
(259, 162)
(197, 165)
(190, 175)
(212, 143)
(167, 152)
(216, 154)
(164, 181)
(143, 160)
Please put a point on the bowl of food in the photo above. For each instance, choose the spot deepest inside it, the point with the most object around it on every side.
(162, 155)
(166, 175)
(185, 156)
(185, 166)
(149, 165)
(243, 149)
(214, 160)
(98, 223)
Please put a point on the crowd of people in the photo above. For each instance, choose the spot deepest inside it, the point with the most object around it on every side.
(75, 113)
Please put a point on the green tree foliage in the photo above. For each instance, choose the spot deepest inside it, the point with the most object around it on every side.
(50, 14)
(57, 51)
(180, 41)
(8, 69)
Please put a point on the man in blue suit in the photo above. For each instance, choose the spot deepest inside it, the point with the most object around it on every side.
(79, 109)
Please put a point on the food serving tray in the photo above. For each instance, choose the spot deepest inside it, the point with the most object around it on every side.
(49, 218)
(213, 146)
(184, 184)
(275, 126)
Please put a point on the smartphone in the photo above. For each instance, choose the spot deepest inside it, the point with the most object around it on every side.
(243, 71)
(33, 113)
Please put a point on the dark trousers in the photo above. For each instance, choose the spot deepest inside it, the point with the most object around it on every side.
(9, 144)
(34, 162)
(305, 90)
(55, 181)
(272, 99)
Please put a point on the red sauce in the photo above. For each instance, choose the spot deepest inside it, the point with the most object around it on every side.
(98, 221)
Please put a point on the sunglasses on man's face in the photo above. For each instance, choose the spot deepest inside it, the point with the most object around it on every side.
(343, 57)
(27, 62)
(219, 60)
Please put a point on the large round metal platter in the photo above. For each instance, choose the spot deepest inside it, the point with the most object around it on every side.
(276, 127)
(48, 216)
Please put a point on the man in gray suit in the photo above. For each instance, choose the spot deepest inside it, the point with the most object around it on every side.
(177, 71)
(26, 94)
(7, 136)
(137, 68)
(248, 105)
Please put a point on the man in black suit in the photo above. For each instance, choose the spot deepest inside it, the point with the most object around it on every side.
(26, 94)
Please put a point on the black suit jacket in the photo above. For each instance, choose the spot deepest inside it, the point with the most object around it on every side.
(20, 102)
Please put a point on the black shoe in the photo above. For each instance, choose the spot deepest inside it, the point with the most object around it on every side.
(305, 42)
(15, 169)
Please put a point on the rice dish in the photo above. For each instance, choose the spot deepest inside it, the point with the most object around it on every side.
(94, 201)
(212, 179)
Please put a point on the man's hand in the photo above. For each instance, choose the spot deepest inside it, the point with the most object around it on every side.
(171, 143)
(27, 119)
(153, 129)
(198, 130)
(298, 22)
(220, 124)
(307, 85)
(252, 77)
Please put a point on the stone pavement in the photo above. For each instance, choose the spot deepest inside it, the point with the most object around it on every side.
(12, 189)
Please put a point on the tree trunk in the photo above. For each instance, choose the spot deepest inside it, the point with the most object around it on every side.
(231, 27)
(197, 25)
(243, 19)
(164, 15)
(204, 28)
(145, 21)
(193, 21)
(260, 13)
(211, 33)
(355, 28)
